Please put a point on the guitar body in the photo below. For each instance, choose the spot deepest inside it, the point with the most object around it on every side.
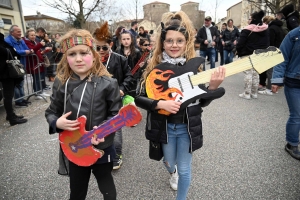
(83, 156)
(172, 82)
(77, 145)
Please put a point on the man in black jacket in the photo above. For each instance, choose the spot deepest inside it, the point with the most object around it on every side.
(208, 36)
(8, 83)
(291, 16)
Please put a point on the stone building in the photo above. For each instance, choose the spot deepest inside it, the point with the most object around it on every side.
(195, 15)
(234, 13)
(153, 11)
(11, 14)
(51, 24)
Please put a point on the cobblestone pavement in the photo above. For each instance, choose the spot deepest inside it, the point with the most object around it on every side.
(243, 156)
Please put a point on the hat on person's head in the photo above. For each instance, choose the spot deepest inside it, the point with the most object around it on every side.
(286, 10)
(208, 18)
(103, 33)
(76, 37)
(257, 17)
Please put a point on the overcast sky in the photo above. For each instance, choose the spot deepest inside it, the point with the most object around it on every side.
(30, 7)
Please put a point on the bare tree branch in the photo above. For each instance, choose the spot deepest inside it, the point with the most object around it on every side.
(79, 9)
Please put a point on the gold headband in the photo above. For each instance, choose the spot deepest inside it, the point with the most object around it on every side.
(78, 40)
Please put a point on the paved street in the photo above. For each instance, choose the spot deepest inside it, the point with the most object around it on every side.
(243, 156)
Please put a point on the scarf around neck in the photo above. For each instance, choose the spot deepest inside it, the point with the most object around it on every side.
(174, 61)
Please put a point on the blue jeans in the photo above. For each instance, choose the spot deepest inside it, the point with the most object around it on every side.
(211, 53)
(293, 124)
(19, 92)
(177, 152)
(118, 142)
(228, 56)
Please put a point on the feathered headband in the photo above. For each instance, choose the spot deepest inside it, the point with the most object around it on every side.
(102, 33)
(78, 40)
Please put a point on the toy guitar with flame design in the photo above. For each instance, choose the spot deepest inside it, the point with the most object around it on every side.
(181, 83)
(77, 145)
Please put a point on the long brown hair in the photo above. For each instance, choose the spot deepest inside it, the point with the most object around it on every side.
(63, 69)
(169, 19)
(132, 45)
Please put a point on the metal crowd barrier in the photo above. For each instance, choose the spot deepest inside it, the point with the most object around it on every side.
(31, 87)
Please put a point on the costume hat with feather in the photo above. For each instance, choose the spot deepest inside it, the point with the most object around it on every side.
(103, 33)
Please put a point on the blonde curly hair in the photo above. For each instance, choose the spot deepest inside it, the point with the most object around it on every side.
(63, 69)
(170, 19)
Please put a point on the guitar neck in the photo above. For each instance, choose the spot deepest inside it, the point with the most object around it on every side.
(261, 61)
(231, 69)
(107, 128)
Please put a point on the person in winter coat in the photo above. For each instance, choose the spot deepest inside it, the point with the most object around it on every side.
(117, 65)
(132, 54)
(34, 63)
(208, 36)
(180, 133)
(83, 86)
(254, 36)
(117, 38)
(15, 40)
(144, 34)
(276, 34)
(8, 83)
(229, 40)
(291, 16)
(287, 74)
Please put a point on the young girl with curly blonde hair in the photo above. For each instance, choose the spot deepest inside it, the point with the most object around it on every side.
(180, 133)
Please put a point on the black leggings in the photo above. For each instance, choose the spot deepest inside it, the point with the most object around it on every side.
(80, 176)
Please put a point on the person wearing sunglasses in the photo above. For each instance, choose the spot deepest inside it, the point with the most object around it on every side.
(118, 67)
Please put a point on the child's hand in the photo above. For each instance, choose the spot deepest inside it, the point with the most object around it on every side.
(65, 124)
(141, 64)
(95, 140)
(121, 93)
(169, 105)
(217, 78)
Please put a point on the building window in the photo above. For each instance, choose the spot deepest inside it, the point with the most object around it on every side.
(6, 3)
(153, 6)
(7, 21)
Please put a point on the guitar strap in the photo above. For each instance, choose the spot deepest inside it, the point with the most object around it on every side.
(67, 96)
(63, 162)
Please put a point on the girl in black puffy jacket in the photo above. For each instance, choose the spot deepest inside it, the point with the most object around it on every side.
(174, 124)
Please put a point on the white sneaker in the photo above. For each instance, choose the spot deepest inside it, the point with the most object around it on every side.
(267, 92)
(245, 96)
(174, 179)
(253, 96)
(45, 94)
(38, 98)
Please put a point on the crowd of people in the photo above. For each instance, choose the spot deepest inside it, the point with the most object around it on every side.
(107, 67)
(32, 50)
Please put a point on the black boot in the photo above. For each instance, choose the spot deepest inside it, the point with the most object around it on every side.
(293, 151)
(14, 115)
(15, 120)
